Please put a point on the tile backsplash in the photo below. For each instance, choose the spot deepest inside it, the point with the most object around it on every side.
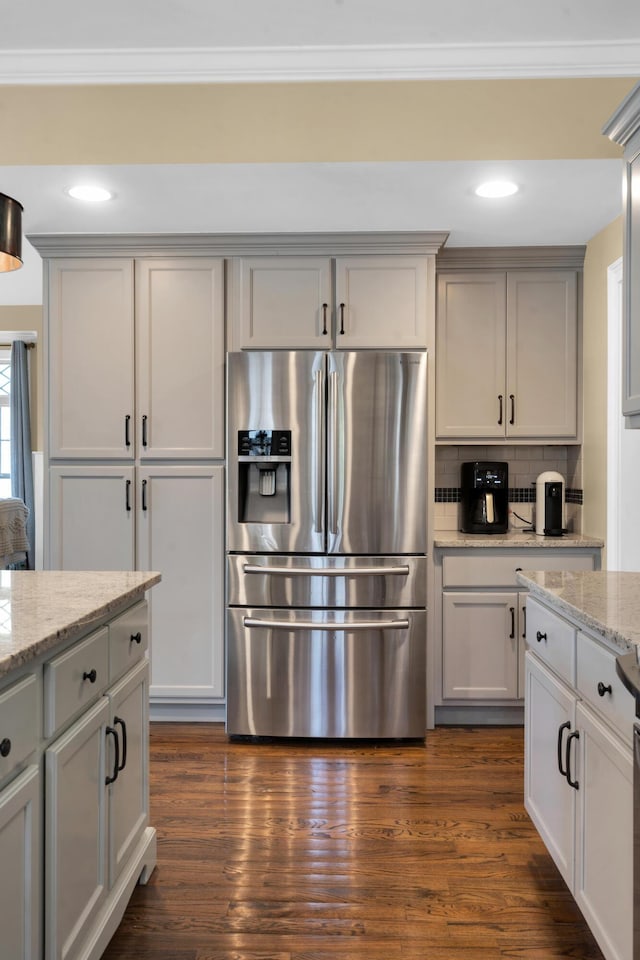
(525, 463)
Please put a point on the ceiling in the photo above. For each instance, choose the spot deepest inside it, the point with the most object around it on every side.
(564, 201)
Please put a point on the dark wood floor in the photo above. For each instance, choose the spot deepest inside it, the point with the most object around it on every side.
(287, 851)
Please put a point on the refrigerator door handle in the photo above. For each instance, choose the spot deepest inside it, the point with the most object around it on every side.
(327, 625)
(318, 479)
(332, 453)
(328, 571)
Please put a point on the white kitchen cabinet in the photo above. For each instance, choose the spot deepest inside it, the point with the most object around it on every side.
(76, 868)
(349, 302)
(91, 358)
(20, 877)
(175, 524)
(579, 772)
(91, 517)
(180, 523)
(480, 646)
(507, 355)
(624, 128)
(482, 620)
(136, 373)
(179, 311)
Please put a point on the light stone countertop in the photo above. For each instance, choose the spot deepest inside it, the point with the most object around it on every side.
(604, 601)
(514, 538)
(40, 609)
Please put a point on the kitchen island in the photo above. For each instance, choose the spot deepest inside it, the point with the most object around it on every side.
(578, 739)
(74, 825)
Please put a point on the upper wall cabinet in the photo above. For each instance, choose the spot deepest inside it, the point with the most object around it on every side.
(374, 301)
(624, 128)
(507, 355)
(136, 358)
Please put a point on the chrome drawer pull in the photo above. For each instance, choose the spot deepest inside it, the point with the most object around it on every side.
(328, 571)
(327, 625)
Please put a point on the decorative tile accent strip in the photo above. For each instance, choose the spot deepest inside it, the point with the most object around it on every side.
(447, 494)
(516, 495)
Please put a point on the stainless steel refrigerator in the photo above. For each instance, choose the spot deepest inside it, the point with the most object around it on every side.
(326, 541)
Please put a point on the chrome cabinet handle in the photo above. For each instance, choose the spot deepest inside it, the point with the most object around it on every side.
(326, 625)
(512, 418)
(332, 472)
(327, 571)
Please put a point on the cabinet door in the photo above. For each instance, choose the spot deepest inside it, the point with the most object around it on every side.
(91, 359)
(75, 830)
(180, 358)
(542, 354)
(283, 302)
(91, 518)
(631, 311)
(480, 646)
(549, 800)
(381, 302)
(129, 793)
(21, 859)
(181, 533)
(470, 350)
(604, 853)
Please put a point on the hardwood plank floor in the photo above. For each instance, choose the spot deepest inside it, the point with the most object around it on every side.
(320, 851)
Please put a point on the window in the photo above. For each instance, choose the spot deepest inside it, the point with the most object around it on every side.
(5, 423)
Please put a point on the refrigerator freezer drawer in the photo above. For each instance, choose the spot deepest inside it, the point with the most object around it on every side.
(334, 674)
(285, 581)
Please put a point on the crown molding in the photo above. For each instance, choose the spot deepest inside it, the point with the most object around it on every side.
(510, 258)
(321, 63)
(236, 244)
(626, 120)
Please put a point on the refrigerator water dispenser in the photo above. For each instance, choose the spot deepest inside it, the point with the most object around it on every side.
(264, 476)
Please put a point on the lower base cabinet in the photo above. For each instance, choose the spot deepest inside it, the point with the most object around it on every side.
(579, 784)
(75, 837)
(20, 846)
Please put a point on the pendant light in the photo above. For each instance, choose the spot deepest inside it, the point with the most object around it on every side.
(10, 233)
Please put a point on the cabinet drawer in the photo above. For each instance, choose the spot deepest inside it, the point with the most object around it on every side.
(600, 685)
(552, 639)
(18, 723)
(500, 570)
(75, 679)
(128, 640)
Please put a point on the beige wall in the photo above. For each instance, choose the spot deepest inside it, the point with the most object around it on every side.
(29, 318)
(602, 251)
(310, 122)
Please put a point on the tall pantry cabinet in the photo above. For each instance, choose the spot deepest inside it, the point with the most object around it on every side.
(135, 436)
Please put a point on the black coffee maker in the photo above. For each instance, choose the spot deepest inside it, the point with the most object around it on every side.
(485, 497)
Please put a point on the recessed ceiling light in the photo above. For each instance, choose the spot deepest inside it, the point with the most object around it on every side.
(497, 188)
(89, 193)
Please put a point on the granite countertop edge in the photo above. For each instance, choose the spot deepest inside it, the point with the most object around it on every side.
(514, 539)
(48, 610)
(605, 602)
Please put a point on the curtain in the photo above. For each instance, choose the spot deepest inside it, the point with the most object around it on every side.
(21, 465)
